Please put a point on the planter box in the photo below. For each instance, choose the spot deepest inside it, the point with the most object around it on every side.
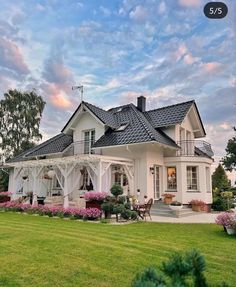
(197, 208)
(4, 199)
(230, 231)
(93, 204)
(168, 200)
(176, 207)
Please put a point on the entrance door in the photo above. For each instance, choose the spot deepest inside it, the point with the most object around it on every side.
(156, 179)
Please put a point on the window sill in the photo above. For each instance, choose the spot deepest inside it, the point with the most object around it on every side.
(194, 191)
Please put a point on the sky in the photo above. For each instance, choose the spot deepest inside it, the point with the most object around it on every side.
(166, 50)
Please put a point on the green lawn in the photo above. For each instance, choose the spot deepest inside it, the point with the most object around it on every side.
(39, 251)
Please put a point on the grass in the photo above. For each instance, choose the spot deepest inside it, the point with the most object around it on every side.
(39, 251)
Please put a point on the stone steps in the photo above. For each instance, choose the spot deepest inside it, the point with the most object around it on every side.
(161, 209)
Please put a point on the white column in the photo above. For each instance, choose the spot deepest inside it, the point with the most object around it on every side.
(99, 176)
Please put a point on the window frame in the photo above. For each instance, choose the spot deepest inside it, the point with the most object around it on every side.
(190, 186)
(174, 186)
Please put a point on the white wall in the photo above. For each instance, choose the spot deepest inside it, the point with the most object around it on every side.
(87, 122)
(182, 194)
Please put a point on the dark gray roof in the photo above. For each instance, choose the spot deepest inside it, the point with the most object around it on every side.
(104, 116)
(54, 145)
(138, 130)
(141, 127)
(169, 115)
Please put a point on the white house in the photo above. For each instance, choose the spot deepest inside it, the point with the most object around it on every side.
(147, 152)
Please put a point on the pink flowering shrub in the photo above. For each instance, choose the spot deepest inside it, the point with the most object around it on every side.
(71, 212)
(224, 218)
(5, 193)
(95, 196)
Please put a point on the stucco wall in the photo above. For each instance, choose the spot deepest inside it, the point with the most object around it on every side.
(87, 122)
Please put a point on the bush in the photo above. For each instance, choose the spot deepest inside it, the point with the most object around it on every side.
(221, 204)
(134, 215)
(118, 208)
(126, 214)
(116, 190)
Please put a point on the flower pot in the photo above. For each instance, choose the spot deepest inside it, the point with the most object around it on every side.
(196, 208)
(230, 230)
(168, 200)
(176, 207)
(93, 204)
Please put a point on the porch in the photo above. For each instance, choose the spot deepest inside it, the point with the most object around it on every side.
(63, 181)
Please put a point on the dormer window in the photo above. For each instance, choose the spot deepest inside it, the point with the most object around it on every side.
(122, 127)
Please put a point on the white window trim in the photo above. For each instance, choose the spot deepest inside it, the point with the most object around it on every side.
(197, 172)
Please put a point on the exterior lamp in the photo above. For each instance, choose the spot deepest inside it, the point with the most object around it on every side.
(152, 170)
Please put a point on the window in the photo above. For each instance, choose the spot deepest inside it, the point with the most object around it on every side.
(192, 178)
(208, 180)
(120, 176)
(171, 178)
(89, 140)
(122, 127)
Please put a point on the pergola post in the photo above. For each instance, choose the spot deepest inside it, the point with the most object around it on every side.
(99, 176)
(35, 171)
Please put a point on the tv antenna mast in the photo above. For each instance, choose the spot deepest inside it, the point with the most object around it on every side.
(81, 89)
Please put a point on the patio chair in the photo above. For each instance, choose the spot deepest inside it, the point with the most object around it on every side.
(144, 209)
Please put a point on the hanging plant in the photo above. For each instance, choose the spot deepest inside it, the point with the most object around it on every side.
(51, 173)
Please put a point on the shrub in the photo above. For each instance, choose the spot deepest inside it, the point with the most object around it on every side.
(116, 190)
(126, 214)
(180, 270)
(221, 204)
(5, 193)
(134, 215)
(128, 205)
(118, 208)
(107, 207)
(224, 218)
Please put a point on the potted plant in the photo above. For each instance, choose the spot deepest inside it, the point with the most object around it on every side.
(176, 205)
(197, 205)
(168, 197)
(94, 199)
(107, 207)
(231, 228)
(5, 196)
(224, 219)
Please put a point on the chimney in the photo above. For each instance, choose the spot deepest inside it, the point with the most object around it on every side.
(141, 104)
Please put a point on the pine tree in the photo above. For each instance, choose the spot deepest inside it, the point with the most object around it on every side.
(220, 179)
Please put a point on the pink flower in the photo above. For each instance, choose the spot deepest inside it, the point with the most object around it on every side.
(225, 218)
(95, 196)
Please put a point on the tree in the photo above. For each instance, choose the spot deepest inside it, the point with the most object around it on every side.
(220, 179)
(229, 161)
(20, 116)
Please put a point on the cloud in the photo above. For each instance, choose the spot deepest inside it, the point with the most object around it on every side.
(189, 59)
(162, 7)
(211, 67)
(190, 3)
(139, 14)
(12, 57)
(58, 98)
(106, 12)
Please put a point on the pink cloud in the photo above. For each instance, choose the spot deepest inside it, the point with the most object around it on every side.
(190, 3)
(211, 66)
(182, 50)
(12, 57)
(57, 97)
(189, 59)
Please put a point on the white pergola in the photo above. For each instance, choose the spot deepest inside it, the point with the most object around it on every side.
(65, 167)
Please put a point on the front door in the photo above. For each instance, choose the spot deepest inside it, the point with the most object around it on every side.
(156, 183)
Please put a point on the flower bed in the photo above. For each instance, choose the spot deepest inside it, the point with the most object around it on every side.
(73, 213)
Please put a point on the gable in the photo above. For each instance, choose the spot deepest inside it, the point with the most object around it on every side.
(193, 122)
(86, 121)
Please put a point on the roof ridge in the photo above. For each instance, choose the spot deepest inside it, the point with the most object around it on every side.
(87, 103)
(182, 103)
(138, 113)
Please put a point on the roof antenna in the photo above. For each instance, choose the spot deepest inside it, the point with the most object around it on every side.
(81, 89)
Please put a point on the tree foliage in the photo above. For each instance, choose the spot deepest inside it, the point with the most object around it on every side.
(220, 179)
(229, 161)
(181, 270)
(20, 116)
